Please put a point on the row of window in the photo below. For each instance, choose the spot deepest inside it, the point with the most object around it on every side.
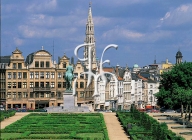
(17, 66)
(19, 95)
(16, 75)
(40, 84)
(37, 75)
(42, 64)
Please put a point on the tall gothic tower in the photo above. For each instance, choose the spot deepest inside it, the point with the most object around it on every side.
(90, 38)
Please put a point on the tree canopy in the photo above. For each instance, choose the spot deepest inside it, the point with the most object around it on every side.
(176, 86)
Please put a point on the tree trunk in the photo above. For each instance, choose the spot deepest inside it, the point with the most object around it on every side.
(189, 113)
(186, 112)
(181, 110)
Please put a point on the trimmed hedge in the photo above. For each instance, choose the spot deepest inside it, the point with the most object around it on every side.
(59, 123)
(145, 127)
(6, 114)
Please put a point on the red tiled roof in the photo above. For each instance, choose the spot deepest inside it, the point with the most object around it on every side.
(143, 78)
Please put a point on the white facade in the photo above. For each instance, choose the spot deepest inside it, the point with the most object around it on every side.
(153, 87)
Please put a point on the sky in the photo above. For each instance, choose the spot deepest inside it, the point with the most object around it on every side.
(142, 29)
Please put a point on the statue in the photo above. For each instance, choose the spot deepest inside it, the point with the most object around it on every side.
(69, 77)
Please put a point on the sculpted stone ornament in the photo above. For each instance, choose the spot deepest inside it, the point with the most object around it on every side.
(69, 78)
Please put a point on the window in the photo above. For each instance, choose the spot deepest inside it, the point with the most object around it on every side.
(14, 75)
(42, 75)
(64, 65)
(14, 85)
(52, 94)
(75, 74)
(59, 94)
(8, 95)
(81, 94)
(19, 66)
(76, 84)
(42, 64)
(14, 95)
(36, 64)
(31, 94)
(59, 75)
(9, 85)
(36, 84)
(31, 75)
(24, 84)
(19, 84)
(47, 95)
(42, 84)
(59, 84)
(52, 84)
(81, 84)
(25, 75)
(37, 95)
(24, 94)
(64, 84)
(42, 95)
(47, 64)
(47, 84)
(151, 86)
(19, 95)
(19, 75)
(82, 76)
(52, 75)
(36, 74)
(31, 84)
(9, 75)
(47, 75)
(14, 66)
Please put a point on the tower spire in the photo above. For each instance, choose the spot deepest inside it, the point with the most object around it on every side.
(90, 38)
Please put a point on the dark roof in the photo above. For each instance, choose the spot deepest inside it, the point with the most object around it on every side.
(134, 76)
(29, 58)
(5, 59)
(178, 54)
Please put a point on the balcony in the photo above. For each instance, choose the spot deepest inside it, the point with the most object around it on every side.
(41, 89)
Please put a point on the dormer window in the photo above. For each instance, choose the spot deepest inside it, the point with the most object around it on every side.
(64, 65)
(14, 66)
(19, 66)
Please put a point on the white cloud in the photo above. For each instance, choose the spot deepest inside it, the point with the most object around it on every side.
(18, 41)
(42, 6)
(121, 33)
(100, 21)
(36, 32)
(180, 15)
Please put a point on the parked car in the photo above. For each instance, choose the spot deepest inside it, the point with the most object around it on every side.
(169, 111)
(108, 111)
(152, 111)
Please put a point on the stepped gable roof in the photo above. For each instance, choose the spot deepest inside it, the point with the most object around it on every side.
(5, 59)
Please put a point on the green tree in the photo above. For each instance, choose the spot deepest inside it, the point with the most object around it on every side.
(175, 88)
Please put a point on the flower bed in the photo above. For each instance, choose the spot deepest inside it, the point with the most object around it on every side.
(85, 126)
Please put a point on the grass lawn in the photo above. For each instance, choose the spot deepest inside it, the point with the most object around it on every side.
(85, 126)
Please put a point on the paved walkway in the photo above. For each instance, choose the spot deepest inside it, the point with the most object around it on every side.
(115, 131)
(177, 131)
(12, 119)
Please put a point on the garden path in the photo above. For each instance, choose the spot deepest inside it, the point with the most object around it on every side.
(12, 119)
(115, 130)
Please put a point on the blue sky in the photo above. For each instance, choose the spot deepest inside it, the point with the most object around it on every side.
(140, 28)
